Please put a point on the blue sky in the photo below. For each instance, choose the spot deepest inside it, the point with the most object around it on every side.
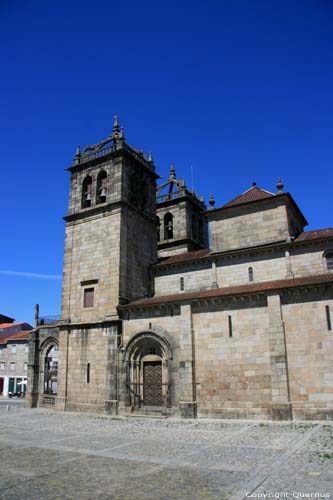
(237, 90)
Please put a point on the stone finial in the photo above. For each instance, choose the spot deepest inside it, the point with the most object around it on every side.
(150, 157)
(116, 127)
(121, 134)
(254, 184)
(279, 185)
(77, 156)
(211, 202)
(36, 314)
(172, 174)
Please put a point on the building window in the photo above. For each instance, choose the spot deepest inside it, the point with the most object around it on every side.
(88, 373)
(329, 261)
(13, 349)
(1, 353)
(86, 192)
(182, 284)
(230, 325)
(328, 318)
(25, 367)
(12, 366)
(168, 226)
(101, 187)
(26, 348)
(2, 365)
(251, 278)
(88, 297)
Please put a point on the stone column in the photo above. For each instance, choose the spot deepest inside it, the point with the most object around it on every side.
(64, 346)
(186, 390)
(281, 405)
(214, 275)
(112, 360)
(289, 273)
(31, 399)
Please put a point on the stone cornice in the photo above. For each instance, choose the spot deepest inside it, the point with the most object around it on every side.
(103, 209)
(227, 293)
(240, 252)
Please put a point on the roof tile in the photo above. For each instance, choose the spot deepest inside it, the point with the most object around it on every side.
(253, 194)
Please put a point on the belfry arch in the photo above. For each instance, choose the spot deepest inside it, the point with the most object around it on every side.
(147, 358)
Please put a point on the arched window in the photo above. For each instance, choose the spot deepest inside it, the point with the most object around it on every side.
(251, 277)
(329, 261)
(158, 229)
(101, 187)
(51, 370)
(86, 192)
(168, 226)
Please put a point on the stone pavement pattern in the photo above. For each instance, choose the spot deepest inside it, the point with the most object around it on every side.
(57, 456)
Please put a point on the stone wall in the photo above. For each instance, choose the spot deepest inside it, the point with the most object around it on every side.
(233, 374)
(249, 225)
(92, 259)
(310, 354)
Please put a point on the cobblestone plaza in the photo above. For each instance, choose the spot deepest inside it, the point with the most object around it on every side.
(48, 455)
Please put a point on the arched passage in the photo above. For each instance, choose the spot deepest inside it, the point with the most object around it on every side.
(50, 355)
(147, 358)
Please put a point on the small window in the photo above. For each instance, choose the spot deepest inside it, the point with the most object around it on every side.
(13, 349)
(26, 348)
(1, 353)
(251, 277)
(25, 367)
(101, 187)
(12, 366)
(329, 261)
(328, 318)
(86, 192)
(2, 365)
(230, 325)
(88, 297)
(88, 373)
(182, 287)
(168, 226)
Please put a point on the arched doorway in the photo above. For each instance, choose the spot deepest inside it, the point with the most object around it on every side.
(51, 369)
(147, 357)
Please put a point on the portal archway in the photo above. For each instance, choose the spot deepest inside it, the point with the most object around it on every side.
(147, 357)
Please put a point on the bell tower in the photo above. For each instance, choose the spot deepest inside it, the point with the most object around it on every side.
(111, 232)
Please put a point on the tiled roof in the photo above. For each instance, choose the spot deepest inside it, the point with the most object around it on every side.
(9, 325)
(6, 319)
(23, 335)
(315, 234)
(234, 290)
(253, 194)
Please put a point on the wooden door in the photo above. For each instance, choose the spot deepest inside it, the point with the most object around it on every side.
(152, 383)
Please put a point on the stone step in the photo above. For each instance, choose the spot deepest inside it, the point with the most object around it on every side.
(145, 415)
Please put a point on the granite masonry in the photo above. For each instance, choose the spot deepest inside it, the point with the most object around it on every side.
(157, 320)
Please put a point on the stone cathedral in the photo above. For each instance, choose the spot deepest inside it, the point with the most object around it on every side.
(173, 309)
